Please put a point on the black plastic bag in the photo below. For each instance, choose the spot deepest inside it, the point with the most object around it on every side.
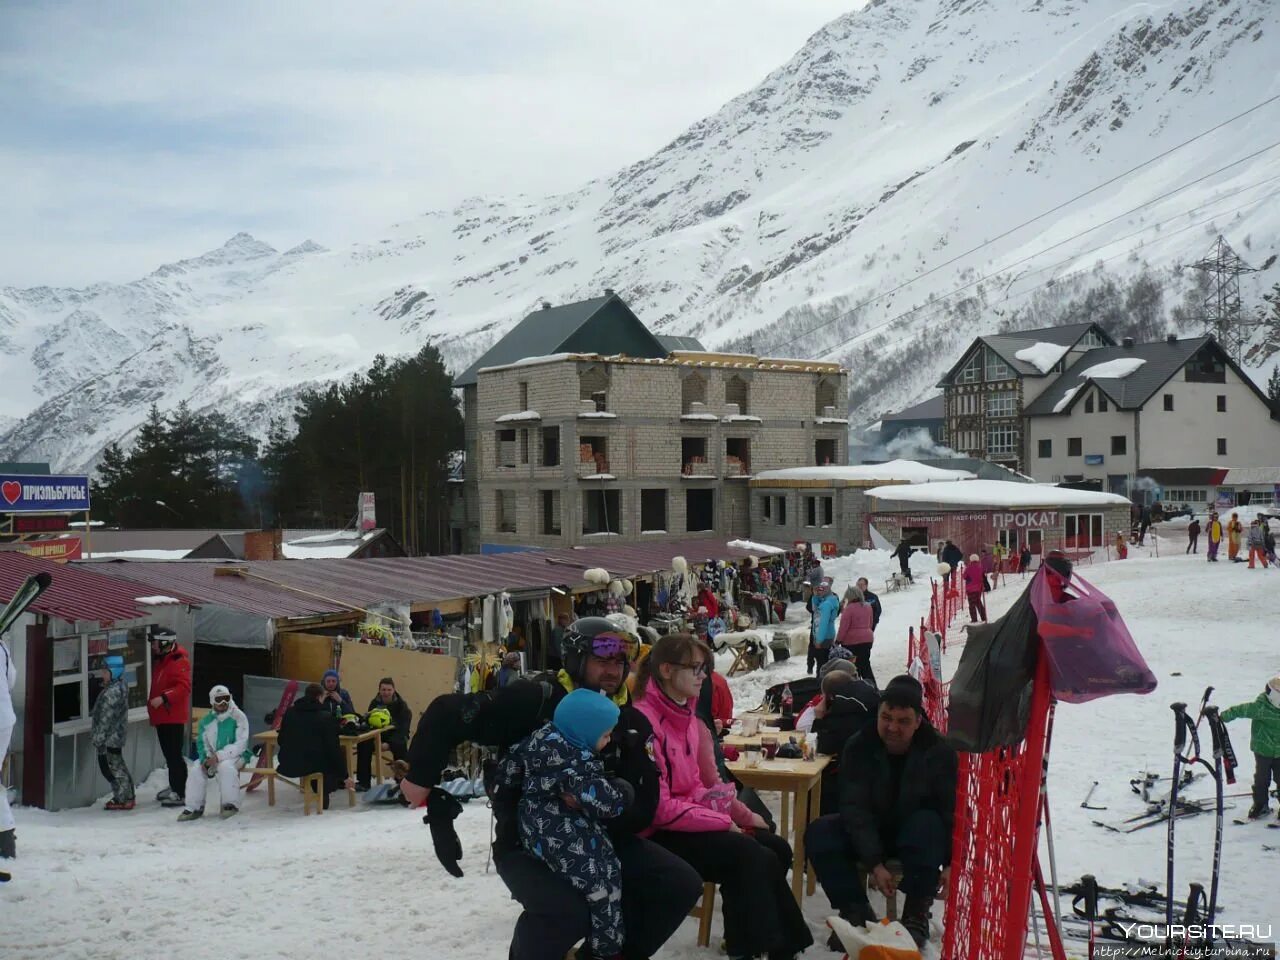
(990, 695)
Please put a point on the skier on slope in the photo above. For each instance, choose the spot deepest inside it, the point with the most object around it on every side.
(8, 829)
(1264, 741)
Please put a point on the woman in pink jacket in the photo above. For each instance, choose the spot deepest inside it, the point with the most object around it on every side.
(700, 819)
(975, 586)
(856, 625)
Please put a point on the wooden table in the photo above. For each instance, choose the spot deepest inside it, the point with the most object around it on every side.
(349, 744)
(798, 779)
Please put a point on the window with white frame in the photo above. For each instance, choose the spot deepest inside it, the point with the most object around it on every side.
(1187, 496)
(1091, 339)
(971, 372)
(1002, 441)
(1262, 498)
(997, 369)
(1002, 404)
(76, 682)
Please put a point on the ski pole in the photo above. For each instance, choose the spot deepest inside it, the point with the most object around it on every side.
(1179, 744)
(1217, 731)
(1090, 884)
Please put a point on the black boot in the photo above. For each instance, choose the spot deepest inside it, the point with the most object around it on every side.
(8, 850)
(858, 915)
(1257, 812)
(915, 917)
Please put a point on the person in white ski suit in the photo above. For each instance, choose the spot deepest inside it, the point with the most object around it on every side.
(7, 720)
(222, 741)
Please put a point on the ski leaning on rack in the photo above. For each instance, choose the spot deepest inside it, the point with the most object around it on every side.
(286, 701)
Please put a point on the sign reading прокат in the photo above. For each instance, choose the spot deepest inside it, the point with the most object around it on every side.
(33, 493)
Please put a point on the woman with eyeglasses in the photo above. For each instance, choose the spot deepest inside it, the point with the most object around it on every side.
(700, 819)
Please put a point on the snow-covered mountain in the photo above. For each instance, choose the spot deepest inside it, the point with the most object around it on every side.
(823, 213)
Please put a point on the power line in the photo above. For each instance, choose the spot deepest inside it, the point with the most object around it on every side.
(1025, 223)
(1076, 236)
(941, 305)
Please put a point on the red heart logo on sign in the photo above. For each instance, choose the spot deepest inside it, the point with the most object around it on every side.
(11, 490)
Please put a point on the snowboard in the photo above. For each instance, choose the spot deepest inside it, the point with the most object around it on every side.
(286, 701)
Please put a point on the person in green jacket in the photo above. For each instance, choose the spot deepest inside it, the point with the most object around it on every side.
(222, 750)
(1264, 741)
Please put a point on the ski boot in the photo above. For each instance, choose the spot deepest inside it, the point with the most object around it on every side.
(186, 816)
(915, 917)
(858, 915)
(8, 851)
(229, 810)
(1257, 812)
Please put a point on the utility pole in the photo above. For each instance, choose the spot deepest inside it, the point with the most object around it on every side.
(1222, 313)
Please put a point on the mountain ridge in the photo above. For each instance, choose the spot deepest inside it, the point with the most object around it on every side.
(808, 216)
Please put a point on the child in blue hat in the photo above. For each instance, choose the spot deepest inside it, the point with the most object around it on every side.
(565, 797)
(110, 722)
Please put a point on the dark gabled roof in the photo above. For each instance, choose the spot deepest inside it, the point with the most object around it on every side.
(1164, 359)
(688, 344)
(932, 409)
(1006, 345)
(75, 593)
(603, 325)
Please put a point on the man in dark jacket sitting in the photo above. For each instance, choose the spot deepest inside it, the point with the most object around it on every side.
(396, 738)
(897, 799)
(309, 743)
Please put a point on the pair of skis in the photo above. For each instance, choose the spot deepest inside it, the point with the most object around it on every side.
(1199, 908)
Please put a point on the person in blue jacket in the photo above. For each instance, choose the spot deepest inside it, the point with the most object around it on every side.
(564, 798)
(824, 609)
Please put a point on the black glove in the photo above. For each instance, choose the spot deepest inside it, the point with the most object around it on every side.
(625, 788)
(442, 809)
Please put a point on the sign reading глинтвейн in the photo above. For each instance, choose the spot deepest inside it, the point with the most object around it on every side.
(31, 493)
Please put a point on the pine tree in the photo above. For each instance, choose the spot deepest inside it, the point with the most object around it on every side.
(1273, 388)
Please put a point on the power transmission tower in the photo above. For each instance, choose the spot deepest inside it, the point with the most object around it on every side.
(1223, 315)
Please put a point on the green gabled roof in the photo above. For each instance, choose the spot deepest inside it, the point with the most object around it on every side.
(603, 325)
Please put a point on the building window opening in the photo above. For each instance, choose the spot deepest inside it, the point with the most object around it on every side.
(737, 457)
(551, 446)
(653, 511)
(505, 448)
(699, 511)
(824, 404)
(825, 452)
(551, 513)
(593, 386)
(593, 455)
(693, 389)
(736, 393)
(505, 508)
(693, 457)
(600, 511)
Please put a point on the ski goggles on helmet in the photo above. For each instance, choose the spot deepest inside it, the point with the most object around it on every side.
(612, 646)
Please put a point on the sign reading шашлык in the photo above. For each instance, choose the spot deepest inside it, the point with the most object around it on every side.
(30, 493)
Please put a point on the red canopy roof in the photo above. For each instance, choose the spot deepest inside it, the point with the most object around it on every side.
(74, 594)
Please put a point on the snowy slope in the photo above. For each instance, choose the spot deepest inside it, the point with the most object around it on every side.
(899, 137)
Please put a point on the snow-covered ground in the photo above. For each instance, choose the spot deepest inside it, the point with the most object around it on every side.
(271, 883)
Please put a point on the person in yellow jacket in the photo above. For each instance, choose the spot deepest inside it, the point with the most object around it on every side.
(1235, 534)
(1215, 536)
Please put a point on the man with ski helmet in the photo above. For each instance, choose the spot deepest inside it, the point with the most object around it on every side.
(169, 708)
(398, 717)
(658, 888)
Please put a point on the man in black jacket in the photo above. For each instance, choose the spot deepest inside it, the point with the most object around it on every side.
(903, 556)
(658, 888)
(397, 738)
(848, 705)
(953, 556)
(309, 742)
(897, 801)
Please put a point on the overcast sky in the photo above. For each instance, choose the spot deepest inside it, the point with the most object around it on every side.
(132, 134)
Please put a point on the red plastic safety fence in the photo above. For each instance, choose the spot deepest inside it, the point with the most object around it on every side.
(920, 666)
(994, 842)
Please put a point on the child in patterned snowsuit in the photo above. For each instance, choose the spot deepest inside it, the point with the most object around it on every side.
(565, 797)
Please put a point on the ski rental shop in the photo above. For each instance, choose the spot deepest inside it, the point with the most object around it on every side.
(975, 514)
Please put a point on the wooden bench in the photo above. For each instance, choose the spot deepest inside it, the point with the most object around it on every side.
(311, 785)
(705, 911)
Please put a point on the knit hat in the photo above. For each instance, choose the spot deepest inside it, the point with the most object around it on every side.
(328, 674)
(904, 690)
(584, 716)
(837, 666)
(115, 665)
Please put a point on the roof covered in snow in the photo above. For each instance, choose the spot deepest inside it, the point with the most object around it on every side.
(860, 475)
(1129, 376)
(1042, 355)
(992, 493)
(1025, 350)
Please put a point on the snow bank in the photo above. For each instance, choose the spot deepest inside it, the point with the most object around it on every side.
(907, 471)
(1113, 369)
(994, 493)
(1043, 356)
(156, 601)
(292, 551)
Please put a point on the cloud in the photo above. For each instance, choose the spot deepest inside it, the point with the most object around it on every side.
(142, 133)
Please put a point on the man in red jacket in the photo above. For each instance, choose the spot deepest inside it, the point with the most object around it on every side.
(169, 708)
